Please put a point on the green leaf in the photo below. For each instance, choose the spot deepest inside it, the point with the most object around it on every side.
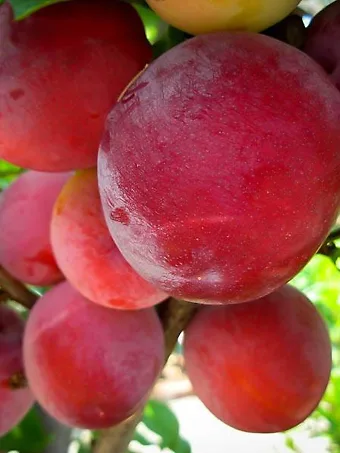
(28, 436)
(159, 418)
(141, 439)
(160, 427)
(182, 446)
(8, 173)
(289, 441)
(320, 281)
(154, 26)
(24, 8)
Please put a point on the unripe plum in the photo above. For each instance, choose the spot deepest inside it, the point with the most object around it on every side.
(15, 397)
(90, 366)
(86, 253)
(204, 16)
(25, 216)
(219, 170)
(61, 69)
(261, 366)
(322, 41)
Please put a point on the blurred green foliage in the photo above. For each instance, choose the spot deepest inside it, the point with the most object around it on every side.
(320, 281)
(161, 35)
(29, 436)
(8, 173)
(23, 8)
(154, 26)
(160, 427)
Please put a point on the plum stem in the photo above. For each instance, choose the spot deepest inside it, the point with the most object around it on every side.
(175, 315)
(13, 289)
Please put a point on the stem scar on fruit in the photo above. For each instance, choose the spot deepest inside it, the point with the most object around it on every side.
(17, 381)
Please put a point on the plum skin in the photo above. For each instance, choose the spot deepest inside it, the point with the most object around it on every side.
(322, 38)
(61, 69)
(90, 366)
(262, 366)
(14, 402)
(229, 193)
(86, 253)
(25, 215)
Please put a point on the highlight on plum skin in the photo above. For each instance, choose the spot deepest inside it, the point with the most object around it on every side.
(86, 253)
(15, 399)
(25, 216)
(90, 366)
(58, 87)
(262, 366)
(220, 191)
(322, 40)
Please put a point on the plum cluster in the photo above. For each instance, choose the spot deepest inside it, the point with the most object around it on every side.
(210, 174)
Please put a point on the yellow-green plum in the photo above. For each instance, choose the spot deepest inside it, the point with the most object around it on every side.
(204, 16)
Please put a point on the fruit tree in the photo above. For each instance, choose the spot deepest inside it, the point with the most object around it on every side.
(166, 167)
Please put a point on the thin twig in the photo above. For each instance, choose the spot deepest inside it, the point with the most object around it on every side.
(16, 290)
(174, 315)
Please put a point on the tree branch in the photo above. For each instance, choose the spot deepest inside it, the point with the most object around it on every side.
(174, 315)
(16, 290)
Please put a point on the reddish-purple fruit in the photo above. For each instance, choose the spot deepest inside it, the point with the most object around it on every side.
(15, 397)
(219, 170)
(61, 69)
(25, 216)
(261, 366)
(322, 41)
(87, 365)
(86, 253)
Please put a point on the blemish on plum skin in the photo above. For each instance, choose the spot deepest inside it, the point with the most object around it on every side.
(17, 94)
(43, 257)
(128, 98)
(130, 94)
(120, 215)
(15, 382)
